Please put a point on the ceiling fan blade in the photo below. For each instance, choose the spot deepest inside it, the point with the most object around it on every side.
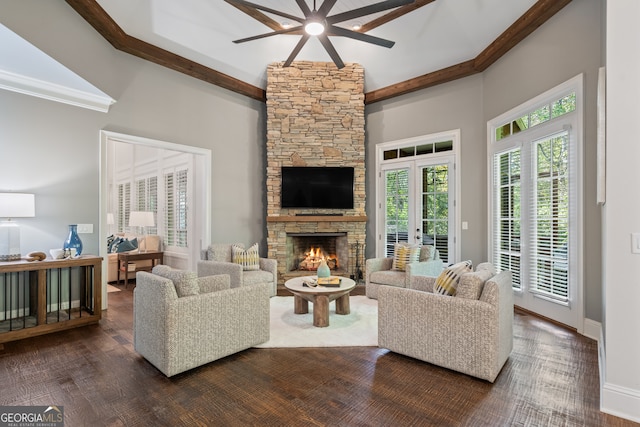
(367, 10)
(266, 9)
(296, 50)
(326, 7)
(328, 46)
(338, 31)
(304, 8)
(273, 33)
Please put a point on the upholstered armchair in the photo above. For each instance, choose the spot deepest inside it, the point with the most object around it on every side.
(471, 332)
(218, 259)
(181, 321)
(380, 272)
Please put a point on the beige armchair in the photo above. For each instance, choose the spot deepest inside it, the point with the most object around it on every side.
(471, 332)
(379, 271)
(217, 259)
(181, 322)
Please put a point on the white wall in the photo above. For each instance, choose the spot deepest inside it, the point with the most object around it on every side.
(620, 394)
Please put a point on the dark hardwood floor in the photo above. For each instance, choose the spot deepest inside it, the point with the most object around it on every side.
(551, 379)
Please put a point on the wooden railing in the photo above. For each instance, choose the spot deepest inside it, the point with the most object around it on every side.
(41, 297)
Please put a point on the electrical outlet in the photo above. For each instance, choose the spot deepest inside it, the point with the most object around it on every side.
(85, 228)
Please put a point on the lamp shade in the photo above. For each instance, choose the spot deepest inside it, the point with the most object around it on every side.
(17, 205)
(141, 219)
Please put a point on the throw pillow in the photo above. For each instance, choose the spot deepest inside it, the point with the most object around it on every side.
(427, 252)
(127, 245)
(185, 282)
(404, 254)
(249, 259)
(447, 281)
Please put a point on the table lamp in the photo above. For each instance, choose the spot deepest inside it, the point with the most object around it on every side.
(141, 219)
(13, 205)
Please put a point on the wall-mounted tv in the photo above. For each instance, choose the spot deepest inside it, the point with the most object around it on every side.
(317, 187)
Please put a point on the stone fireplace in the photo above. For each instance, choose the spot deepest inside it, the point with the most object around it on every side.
(315, 117)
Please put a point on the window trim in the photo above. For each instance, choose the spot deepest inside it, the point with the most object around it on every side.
(446, 156)
(575, 84)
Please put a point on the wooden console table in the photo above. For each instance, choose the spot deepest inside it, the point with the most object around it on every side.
(124, 258)
(47, 296)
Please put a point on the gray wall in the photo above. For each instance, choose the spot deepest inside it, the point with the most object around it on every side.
(565, 46)
(52, 149)
(455, 105)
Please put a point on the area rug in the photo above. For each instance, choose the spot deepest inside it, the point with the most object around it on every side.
(111, 288)
(357, 329)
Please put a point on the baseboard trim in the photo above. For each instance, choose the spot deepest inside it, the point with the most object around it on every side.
(620, 401)
(592, 329)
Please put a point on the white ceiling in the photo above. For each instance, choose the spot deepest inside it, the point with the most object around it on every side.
(435, 36)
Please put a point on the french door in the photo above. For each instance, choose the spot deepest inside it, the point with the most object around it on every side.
(536, 218)
(418, 204)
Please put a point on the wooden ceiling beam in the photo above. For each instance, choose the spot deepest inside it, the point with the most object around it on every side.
(537, 15)
(458, 71)
(91, 11)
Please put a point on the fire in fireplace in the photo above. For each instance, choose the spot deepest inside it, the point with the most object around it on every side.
(314, 257)
(305, 251)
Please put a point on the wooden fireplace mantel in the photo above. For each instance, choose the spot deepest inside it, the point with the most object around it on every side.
(316, 218)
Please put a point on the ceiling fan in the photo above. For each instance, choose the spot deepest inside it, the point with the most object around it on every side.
(318, 23)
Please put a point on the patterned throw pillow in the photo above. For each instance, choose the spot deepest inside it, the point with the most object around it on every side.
(249, 259)
(447, 281)
(404, 254)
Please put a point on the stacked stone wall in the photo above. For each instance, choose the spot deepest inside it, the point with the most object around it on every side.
(315, 117)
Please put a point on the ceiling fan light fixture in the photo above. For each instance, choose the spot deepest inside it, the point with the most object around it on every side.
(314, 28)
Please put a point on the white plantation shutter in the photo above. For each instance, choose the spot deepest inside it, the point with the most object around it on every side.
(124, 206)
(182, 198)
(550, 215)
(147, 199)
(506, 215)
(169, 210)
(176, 223)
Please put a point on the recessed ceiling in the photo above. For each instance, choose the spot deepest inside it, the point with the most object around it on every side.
(436, 41)
(440, 34)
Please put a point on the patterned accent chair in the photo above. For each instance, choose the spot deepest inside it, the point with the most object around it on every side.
(217, 259)
(471, 332)
(181, 321)
(379, 272)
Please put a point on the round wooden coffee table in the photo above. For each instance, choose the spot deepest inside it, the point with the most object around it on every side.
(320, 296)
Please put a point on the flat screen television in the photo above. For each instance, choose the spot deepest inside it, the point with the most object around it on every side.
(317, 187)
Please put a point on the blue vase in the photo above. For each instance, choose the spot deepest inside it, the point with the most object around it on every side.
(73, 241)
(323, 269)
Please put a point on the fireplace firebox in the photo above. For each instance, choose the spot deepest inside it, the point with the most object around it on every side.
(306, 250)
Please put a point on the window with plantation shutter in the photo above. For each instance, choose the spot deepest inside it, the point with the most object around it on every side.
(536, 177)
(549, 224)
(124, 206)
(176, 221)
(507, 213)
(147, 199)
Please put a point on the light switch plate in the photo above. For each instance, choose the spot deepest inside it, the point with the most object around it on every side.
(85, 228)
(635, 243)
